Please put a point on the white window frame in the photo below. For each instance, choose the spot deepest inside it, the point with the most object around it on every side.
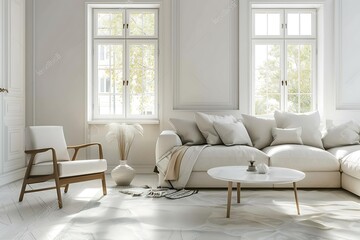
(285, 39)
(92, 84)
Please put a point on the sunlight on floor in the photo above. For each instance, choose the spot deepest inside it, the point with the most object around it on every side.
(87, 193)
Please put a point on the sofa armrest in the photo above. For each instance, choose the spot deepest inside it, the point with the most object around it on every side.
(165, 142)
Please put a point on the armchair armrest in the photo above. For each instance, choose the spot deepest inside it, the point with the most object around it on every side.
(36, 151)
(78, 147)
(33, 153)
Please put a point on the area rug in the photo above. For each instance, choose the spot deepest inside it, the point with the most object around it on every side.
(262, 214)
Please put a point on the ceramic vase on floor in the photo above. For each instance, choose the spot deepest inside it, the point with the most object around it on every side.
(123, 174)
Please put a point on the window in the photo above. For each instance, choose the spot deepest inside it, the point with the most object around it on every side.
(124, 64)
(283, 60)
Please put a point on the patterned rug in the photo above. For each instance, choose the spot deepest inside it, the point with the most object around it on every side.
(262, 214)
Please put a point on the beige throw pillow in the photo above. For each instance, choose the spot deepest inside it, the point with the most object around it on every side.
(286, 136)
(188, 131)
(309, 123)
(233, 133)
(205, 124)
(344, 134)
(259, 130)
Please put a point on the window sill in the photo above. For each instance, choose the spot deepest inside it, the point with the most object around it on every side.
(129, 121)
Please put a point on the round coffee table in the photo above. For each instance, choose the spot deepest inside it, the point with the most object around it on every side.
(239, 174)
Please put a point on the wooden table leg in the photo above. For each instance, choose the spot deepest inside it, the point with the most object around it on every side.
(296, 198)
(238, 186)
(229, 199)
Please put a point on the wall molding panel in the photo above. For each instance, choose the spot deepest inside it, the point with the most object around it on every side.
(347, 52)
(205, 55)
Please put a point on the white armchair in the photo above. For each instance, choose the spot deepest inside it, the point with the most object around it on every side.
(49, 159)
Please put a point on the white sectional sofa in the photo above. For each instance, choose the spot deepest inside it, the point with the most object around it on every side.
(336, 167)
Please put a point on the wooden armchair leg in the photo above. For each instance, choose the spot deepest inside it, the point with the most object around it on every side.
(66, 188)
(58, 192)
(103, 180)
(22, 191)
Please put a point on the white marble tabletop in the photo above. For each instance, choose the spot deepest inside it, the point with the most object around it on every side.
(241, 175)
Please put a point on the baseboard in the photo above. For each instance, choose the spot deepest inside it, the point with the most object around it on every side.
(138, 168)
(12, 176)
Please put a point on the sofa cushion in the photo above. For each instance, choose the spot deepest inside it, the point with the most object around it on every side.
(286, 136)
(71, 168)
(259, 130)
(340, 152)
(219, 155)
(309, 122)
(302, 157)
(341, 135)
(232, 133)
(188, 131)
(205, 124)
(350, 164)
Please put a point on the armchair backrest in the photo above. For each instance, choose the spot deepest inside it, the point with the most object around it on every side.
(48, 137)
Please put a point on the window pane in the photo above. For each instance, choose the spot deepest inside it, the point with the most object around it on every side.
(305, 24)
(260, 24)
(273, 24)
(299, 72)
(142, 67)
(110, 76)
(267, 24)
(267, 78)
(305, 102)
(104, 102)
(109, 23)
(293, 24)
(293, 103)
(142, 23)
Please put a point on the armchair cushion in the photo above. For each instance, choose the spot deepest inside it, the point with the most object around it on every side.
(70, 168)
(45, 137)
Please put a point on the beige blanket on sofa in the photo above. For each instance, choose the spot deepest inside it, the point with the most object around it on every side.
(181, 163)
(173, 168)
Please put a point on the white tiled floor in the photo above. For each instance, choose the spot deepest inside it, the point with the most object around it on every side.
(40, 210)
(262, 214)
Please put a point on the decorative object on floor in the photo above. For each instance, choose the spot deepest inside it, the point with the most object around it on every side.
(124, 134)
(123, 174)
(251, 167)
(262, 168)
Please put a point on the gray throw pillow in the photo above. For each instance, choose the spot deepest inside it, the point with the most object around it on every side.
(259, 130)
(233, 133)
(286, 136)
(188, 131)
(309, 123)
(341, 135)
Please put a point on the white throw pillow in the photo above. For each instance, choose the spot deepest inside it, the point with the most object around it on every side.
(188, 131)
(259, 130)
(286, 136)
(309, 123)
(205, 124)
(233, 133)
(344, 134)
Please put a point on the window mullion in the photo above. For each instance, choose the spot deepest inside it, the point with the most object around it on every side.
(284, 89)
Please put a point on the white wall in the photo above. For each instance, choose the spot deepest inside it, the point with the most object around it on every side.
(57, 57)
(56, 78)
